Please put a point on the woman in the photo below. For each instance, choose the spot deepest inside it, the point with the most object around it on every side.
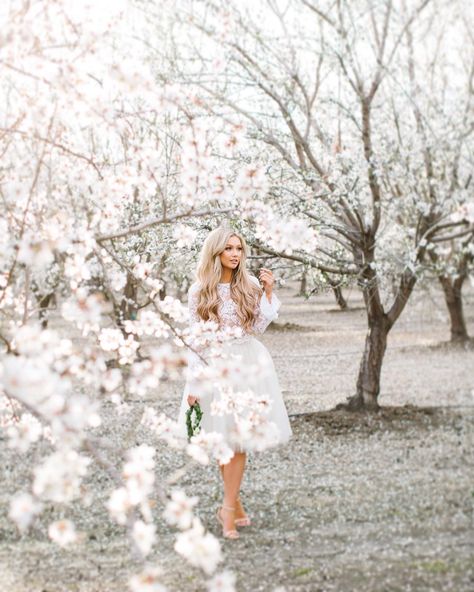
(226, 293)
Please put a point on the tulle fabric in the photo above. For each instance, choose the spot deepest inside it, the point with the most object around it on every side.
(271, 425)
(249, 351)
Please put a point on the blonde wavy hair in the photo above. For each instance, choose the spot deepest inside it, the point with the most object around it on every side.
(244, 292)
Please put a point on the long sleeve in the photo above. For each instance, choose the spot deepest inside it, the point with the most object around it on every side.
(266, 311)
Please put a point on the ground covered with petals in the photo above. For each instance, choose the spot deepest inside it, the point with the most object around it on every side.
(354, 502)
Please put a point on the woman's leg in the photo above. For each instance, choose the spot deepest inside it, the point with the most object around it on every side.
(232, 474)
(239, 509)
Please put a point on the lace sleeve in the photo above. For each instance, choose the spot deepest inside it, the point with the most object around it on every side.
(266, 311)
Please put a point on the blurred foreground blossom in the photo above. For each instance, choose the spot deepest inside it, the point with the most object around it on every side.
(147, 581)
(63, 532)
(31, 381)
(35, 253)
(164, 427)
(144, 536)
(184, 236)
(206, 444)
(85, 310)
(222, 582)
(119, 505)
(23, 509)
(58, 478)
(286, 235)
(138, 473)
(201, 549)
(110, 339)
(24, 433)
(179, 510)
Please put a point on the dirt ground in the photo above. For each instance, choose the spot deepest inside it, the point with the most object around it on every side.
(354, 502)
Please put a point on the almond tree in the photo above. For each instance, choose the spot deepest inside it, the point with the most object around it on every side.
(102, 171)
(326, 98)
(443, 114)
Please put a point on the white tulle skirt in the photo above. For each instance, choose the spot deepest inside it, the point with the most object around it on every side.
(270, 426)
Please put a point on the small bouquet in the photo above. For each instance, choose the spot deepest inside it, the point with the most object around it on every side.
(193, 420)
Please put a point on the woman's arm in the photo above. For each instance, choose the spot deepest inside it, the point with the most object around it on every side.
(266, 310)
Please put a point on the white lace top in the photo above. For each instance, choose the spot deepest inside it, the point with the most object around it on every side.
(266, 311)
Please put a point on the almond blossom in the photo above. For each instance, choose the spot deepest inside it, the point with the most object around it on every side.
(23, 509)
(119, 504)
(206, 444)
(201, 549)
(110, 339)
(222, 582)
(144, 536)
(63, 532)
(164, 428)
(85, 310)
(147, 581)
(58, 477)
(24, 433)
(179, 510)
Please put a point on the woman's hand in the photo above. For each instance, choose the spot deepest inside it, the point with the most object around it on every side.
(267, 279)
(192, 399)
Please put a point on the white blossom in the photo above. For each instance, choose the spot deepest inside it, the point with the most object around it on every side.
(144, 536)
(23, 509)
(222, 582)
(24, 433)
(184, 236)
(201, 549)
(110, 339)
(179, 510)
(138, 473)
(62, 532)
(34, 252)
(164, 427)
(206, 444)
(147, 581)
(85, 310)
(119, 505)
(58, 478)
(112, 379)
(127, 350)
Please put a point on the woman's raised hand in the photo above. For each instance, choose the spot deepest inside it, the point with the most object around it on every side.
(191, 400)
(267, 279)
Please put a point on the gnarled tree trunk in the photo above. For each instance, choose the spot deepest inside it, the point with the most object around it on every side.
(453, 295)
(341, 301)
(368, 380)
(380, 323)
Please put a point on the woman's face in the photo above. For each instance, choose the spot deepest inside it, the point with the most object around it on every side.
(232, 254)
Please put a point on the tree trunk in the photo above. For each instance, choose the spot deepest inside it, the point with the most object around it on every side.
(368, 381)
(453, 295)
(128, 307)
(370, 370)
(302, 291)
(341, 301)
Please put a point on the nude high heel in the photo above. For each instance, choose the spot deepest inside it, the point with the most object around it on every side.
(245, 521)
(227, 534)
